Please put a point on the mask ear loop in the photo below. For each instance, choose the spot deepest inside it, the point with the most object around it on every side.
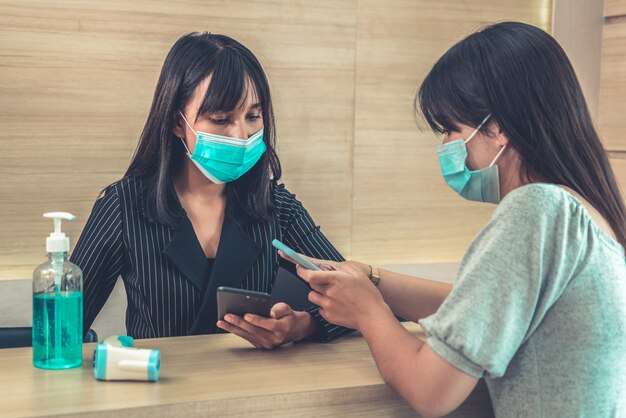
(473, 133)
(181, 139)
(498, 156)
(185, 145)
(185, 119)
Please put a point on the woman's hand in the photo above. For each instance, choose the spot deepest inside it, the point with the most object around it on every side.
(284, 325)
(343, 291)
(346, 296)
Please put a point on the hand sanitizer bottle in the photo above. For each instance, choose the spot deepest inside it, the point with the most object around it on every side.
(57, 304)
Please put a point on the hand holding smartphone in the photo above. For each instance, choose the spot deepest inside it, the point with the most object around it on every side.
(295, 256)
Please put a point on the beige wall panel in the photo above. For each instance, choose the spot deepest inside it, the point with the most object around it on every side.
(613, 86)
(403, 211)
(618, 162)
(77, 81)
(578, 29)
(614, 8)
(315, 115)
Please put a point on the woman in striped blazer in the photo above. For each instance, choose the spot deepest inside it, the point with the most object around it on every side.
(199, 206)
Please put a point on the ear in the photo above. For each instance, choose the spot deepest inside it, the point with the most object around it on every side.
(496, 132)
(502, 139)
(179, 126)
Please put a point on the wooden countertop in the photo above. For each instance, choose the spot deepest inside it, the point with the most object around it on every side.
(219, 375)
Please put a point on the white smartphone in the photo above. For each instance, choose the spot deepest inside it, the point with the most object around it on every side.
(295, 256)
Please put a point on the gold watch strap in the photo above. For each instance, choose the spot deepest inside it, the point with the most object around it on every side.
(374, 275)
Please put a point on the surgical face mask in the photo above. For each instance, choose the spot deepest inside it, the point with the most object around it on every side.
(223, 159)
(478, 185)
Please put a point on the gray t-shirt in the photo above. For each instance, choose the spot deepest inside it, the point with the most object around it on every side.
(539, 310)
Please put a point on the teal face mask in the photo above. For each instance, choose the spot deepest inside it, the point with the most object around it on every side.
(223, 159)
(479, 185)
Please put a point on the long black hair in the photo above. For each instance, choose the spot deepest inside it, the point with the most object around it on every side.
(521, 75)
(159, 154)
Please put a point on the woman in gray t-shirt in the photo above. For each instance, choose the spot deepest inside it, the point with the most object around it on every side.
(539, 306)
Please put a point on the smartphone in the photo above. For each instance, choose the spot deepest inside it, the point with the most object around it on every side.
(241, 302)
(295, 256)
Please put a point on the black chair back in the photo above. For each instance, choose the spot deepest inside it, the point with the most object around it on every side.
(291, 289)
(12, 337)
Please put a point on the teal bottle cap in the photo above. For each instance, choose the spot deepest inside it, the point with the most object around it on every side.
(126, 341)
(100, 361)
(154, 365)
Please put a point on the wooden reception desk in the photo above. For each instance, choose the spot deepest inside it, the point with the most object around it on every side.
(219, 375)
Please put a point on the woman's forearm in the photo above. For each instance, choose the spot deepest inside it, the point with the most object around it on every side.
(395, 351)
(412, 298)
(409, 297)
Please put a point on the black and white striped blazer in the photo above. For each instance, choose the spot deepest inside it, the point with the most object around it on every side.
(164, 267)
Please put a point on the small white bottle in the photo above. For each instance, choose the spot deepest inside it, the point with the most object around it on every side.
(57, 304)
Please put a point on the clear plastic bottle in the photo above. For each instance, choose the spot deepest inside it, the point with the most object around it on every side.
(57, 304)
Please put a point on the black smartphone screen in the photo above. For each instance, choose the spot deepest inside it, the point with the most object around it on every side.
(240, 302)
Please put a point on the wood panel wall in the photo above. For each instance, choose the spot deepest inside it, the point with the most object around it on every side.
(577, 25)
(613, 79)
(614, 7)
(77, 77)
(77, 83)
(612, 119)
(403, 210)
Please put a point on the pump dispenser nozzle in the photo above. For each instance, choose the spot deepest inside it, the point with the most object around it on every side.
(58, 242)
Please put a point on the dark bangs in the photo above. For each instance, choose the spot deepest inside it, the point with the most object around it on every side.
(448, 94)
(230, 80)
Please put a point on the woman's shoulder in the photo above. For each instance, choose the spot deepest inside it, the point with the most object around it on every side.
(547, 208)
(537, 200)
(281, 195)
(128, 184)
(127, 190)
(534, 220)
(285, 202)
(536, 193)
(536, 208)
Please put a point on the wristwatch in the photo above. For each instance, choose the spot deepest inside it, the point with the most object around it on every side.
(374, 275)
